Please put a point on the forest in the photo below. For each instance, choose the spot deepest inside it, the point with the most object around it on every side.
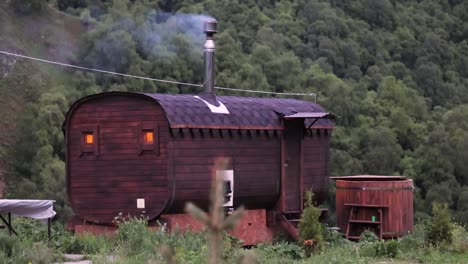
(395, 73)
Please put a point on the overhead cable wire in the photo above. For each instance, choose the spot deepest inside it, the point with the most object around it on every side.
(147, 78)
(97, 70)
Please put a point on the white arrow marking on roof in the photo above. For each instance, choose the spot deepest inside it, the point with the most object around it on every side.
(221, 109)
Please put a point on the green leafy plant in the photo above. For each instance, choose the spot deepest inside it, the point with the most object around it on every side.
(392, 248)
(282, 250)
(310, 227)
(39, 253)
(333, 237)
(368, 236)
(459, 239)
(440, 227)
(8, 244)
(380, 248)
(133, 235)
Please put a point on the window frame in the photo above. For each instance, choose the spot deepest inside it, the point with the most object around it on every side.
(89, 147)
(145, 146)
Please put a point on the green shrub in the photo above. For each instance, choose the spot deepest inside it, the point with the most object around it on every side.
(310, 226)
(14, 250)
(133, 236)
(31, 229)
(334, 238)
(184, 255)
(440, 227)
(459, 239)
(27, 6)
(90, 244)
(368, 236)
(380, 249)
(410, 243)
(71, 244)
(39, 253)
(281, 250)
(8, 244)
(392, 248)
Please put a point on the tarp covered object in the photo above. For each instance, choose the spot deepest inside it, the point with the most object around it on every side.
(37, 209)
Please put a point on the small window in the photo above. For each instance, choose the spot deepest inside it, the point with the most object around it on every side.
(89, 142)
(148, 136)
(88, 138)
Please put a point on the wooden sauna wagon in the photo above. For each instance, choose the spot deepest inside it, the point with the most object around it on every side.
(382, 204)
(135, 153)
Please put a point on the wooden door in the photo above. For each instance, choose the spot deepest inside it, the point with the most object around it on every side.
(292, 162)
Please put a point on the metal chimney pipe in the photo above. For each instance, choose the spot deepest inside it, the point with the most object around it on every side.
(209, 28)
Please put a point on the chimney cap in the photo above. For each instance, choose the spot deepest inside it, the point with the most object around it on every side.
(210, 26)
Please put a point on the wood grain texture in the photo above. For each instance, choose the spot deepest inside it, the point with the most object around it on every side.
(316, 154)
(394, 197)
(292, 157)
(107, 179)
(102, 186)
(255, 161)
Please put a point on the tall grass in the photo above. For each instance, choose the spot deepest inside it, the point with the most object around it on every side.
(136, 244)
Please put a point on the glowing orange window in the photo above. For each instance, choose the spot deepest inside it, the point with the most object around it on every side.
(148, 136)
(88, 137)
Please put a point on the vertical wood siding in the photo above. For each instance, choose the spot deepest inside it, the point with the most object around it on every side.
(292, 178)
(316, 151)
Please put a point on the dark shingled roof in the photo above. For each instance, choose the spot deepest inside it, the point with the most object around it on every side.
(187, 111)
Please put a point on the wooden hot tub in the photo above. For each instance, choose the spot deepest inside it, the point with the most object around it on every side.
(383, 204)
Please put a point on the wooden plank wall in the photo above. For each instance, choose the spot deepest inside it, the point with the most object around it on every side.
(102, 185)
(316, 151)
(397, 195)
(254, 157)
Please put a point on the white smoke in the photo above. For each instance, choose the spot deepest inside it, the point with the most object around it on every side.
(160, 29)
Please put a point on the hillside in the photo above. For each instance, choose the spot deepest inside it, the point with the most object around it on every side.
(52, 35)
(394, 71)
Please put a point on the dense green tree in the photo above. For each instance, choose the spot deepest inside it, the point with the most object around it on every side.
(28, 6)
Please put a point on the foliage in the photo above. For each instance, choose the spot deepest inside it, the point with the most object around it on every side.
(368, 236)
(440, 228)
(284, 250)
(416, 239)
(40, 254)
(396, 73)
(27, 6)
(191, 248)
(8, 244)
(131, 235)
(386, 248)
(309, 225)
(333, 238)
(459, 239)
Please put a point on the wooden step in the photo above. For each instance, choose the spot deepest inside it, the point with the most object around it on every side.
(367, 205)
(364, 222)
(288, 226)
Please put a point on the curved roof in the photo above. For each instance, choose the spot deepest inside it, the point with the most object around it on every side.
(185, 110)
(210, 111)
